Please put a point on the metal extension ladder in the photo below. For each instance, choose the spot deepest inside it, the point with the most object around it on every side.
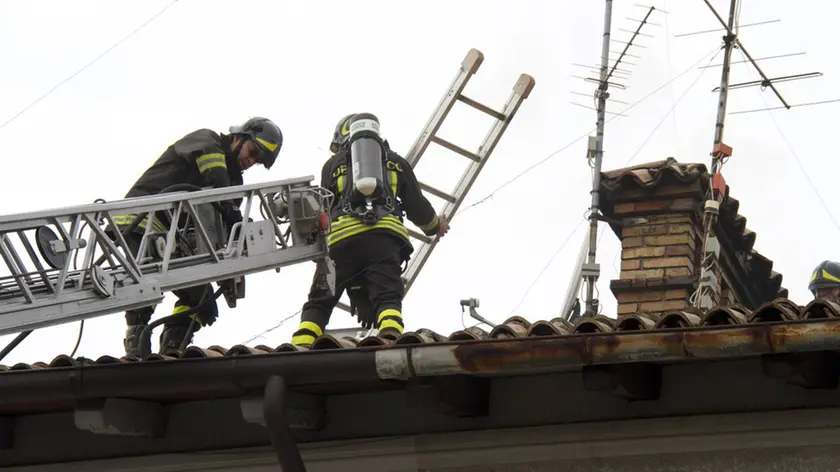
(191, 248)
(469, 66)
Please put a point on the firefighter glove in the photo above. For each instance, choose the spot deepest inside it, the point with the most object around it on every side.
(361, 307)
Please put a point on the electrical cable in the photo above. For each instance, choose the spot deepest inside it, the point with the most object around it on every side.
(97, 58)
(685, 92)
(793, 153)
(670, 70)
(545, 267)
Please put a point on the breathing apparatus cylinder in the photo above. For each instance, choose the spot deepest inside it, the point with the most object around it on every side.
(366, 154)
(367, 158)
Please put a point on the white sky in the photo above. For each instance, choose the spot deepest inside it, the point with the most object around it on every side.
(212, 63)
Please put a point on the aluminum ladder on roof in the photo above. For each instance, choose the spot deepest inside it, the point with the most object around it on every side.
(193, 248)
(469, 66)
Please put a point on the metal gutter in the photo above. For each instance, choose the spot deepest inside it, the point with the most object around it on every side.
(553, 354)
(187, 379)
(184, 378)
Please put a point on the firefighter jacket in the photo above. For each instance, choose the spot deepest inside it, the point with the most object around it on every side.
(203, 158)
(403, 184)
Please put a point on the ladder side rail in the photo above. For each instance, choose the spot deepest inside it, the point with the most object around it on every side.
(131, 283)
(97, 235)
(469, 66)
(521, 91)
(35, 219)
(84, 305)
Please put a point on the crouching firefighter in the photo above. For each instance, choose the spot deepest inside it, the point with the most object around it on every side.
(368, 242)
(201, 159)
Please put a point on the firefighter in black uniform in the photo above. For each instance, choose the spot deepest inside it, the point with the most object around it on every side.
(202, 158)
(368, 257)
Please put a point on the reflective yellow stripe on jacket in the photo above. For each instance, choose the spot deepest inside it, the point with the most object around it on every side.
(210, 161)
(347, 226)
(125, 220)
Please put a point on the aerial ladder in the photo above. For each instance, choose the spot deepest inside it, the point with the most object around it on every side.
(501, 119)
(185, 244)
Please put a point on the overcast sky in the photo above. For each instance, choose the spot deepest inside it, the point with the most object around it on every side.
(212, 63)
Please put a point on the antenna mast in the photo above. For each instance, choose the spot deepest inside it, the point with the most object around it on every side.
(590, 270)
(707, 294)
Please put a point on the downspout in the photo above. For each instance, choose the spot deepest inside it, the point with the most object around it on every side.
(277, 424)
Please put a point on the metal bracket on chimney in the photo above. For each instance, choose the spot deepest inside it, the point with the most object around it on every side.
(709, 286)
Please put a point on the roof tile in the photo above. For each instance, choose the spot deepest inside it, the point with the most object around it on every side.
(779, 310)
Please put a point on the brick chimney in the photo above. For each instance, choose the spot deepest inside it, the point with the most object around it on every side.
(658, 252)
(656, 211)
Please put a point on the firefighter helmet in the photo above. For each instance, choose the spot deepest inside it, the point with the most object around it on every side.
(341, 133)
(266, 134)
(826, 275)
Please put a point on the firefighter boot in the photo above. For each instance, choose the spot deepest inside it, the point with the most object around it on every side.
(171, 339)
(131, 343)
(390, 324)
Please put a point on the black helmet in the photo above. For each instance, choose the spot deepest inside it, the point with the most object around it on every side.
(341, 133)
(266, 134)
(826, 275)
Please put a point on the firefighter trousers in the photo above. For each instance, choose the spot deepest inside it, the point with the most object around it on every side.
(187, 298)
(368, 265)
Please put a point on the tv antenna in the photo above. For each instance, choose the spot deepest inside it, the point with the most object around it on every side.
(707, 294)
(609, 76)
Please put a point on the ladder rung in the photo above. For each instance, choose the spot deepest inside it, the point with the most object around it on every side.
(456, 148)
(420, 236)
(438, 193)
(481, 107)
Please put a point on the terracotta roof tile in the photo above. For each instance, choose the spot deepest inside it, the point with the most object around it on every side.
(779, 310)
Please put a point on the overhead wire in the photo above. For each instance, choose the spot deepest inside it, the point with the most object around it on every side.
(793, 153)
(677, 102)
(670, 70)
(545, 267)
(518, 176)
(83, 68)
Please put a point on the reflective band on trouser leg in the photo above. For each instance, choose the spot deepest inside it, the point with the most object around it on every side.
(390, 318)
(306, 333)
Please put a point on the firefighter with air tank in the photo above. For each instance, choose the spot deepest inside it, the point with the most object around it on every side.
(374, 189)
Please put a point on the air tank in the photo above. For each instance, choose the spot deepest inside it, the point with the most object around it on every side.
(366, 154)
